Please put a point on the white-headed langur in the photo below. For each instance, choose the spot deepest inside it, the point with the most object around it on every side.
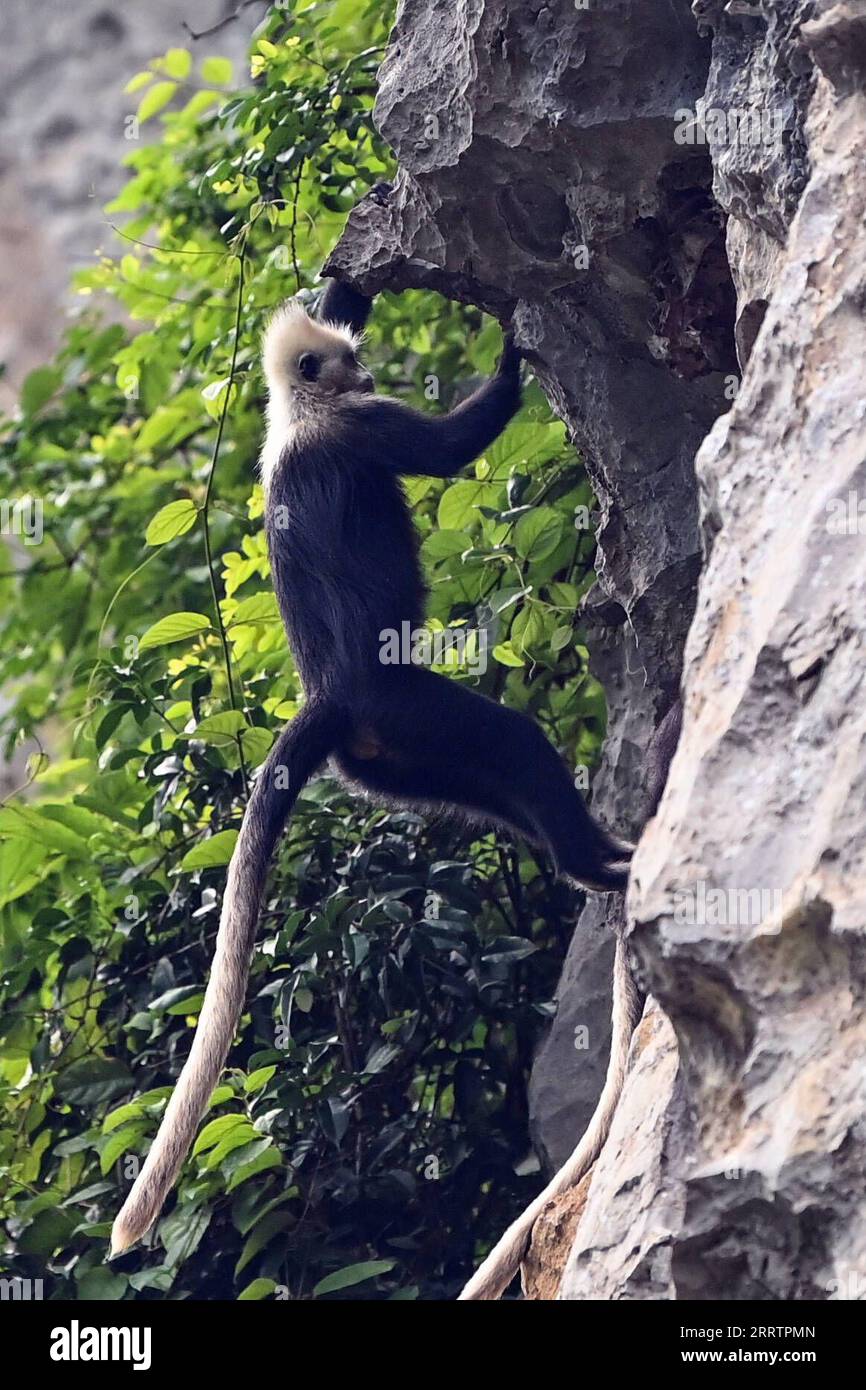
(344, 558)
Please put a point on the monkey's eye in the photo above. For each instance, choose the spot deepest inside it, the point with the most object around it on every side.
(309, 366)
(350, 359)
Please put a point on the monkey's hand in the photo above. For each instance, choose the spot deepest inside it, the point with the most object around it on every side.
(342, 304)
(509, 362)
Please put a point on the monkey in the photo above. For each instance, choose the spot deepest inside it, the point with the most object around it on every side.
(345, 566)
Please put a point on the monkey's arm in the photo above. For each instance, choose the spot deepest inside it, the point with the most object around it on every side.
(408, 441)
(341, 304)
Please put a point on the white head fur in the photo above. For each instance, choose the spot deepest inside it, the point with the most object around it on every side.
(307, 365)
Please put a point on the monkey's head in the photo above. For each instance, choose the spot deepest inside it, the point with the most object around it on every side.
(306, 361)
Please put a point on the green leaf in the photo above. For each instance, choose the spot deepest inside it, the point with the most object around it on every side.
(199, 102)
(115, 1118)
(538, 533)
(101, 1285)
(506, 948)
(505, 654)
(563, 595)
(159, 1279)
(165, 421)
(347, 1277)
(182, 1231)
(153, 101)
(174, 1001)
(256, 744)
(214, 396)
(220, 728)
(134, 1109)
(236, 1139)
(39, 386)
(528, 630)
(210, 853)
(261, 1235)
(177, 627)
(216, 1130)
(190, 1004)
(458, 505)
(127, 1137)
(178, 63)
(92, 1081)
(241, 1168)
(442, 545)
(49, 1231)
(257, 608)
(81, 822)
(140, 80)
(175, 519)
(259, 1288)
(258, 1079)
(216, 70)
(380, 1057)
(528, 444)
(26, 823)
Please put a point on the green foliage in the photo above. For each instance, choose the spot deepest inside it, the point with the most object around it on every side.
(364, 1141)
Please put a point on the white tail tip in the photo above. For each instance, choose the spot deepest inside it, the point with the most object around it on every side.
(122, 1238)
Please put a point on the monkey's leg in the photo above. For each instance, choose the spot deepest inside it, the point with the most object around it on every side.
(432, 786)
(443, 743)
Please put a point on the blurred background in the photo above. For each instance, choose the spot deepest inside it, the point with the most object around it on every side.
(65, 117)
(64, 114)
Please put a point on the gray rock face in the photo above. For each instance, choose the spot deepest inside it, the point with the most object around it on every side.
(540, 177)
(526, 132)
(750, 892)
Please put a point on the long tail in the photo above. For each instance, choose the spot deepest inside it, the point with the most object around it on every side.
(492, 1278)
(299, 750)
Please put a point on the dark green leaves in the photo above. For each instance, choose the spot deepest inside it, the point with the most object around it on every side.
(212, 852)
(350, 1276)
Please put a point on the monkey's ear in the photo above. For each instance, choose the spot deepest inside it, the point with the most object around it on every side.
(344, 306)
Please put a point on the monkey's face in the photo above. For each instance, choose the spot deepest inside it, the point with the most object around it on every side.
(329, 371)
(311, 360)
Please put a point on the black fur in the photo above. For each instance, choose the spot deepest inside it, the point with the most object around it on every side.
(341, 304)
(660, 752)
(345, 567)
